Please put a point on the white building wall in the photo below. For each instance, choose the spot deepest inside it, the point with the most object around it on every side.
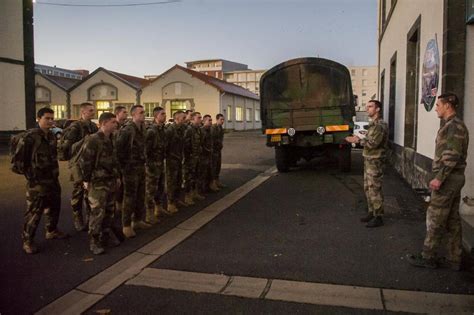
(206, 97)
(58, 95)
(12, 76)
(469, 110)
(395, 39)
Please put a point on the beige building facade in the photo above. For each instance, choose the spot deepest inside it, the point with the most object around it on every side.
(107, 89)
(53, 92)
(426, 48)
(181, 88)
(16, 67)
(248, 79)
(364, 84)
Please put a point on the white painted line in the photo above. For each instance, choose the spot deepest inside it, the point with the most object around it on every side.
(246, 287)
(427, 302)
(91, 291)
(325, 294)
(179, 280)
(72, 303)
(253, 167)
(112, 277)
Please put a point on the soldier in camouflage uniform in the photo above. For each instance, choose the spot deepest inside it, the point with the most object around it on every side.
(155, 147)
(100, 174)
(205, 161)
(131, 156)
(43, 191)
(217, 134)
(192, 153)
(174, 160)
(449, 163)
(78, 130)
(375, 146)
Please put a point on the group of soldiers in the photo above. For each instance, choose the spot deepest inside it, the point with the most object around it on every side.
(122, 170)
(449, 164)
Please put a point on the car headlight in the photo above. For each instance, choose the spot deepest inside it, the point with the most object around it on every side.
(320, 130)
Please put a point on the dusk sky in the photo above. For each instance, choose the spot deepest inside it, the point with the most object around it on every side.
(150, 39)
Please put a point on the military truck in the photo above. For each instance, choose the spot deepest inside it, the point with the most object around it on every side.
(307, 109)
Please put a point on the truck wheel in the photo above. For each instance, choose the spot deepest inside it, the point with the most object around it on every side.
(344, 158)
(282, 159)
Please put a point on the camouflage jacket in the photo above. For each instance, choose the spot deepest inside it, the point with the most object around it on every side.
(451, 148)
(98, 163)
(155, 144)
(79, 129)
(131, 144)
(175, 141)
(217, 135)
(42, 165)
(206, 141)
(193, 142)
(375, 142)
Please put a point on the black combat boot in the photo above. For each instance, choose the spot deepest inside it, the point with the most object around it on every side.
(367, 218)
(419, 261)
(375, 222)
(95, 246)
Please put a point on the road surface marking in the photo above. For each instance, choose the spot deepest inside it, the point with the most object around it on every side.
(93, 290)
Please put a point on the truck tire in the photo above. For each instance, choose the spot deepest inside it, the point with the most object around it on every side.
(344, 158)
(282, 159)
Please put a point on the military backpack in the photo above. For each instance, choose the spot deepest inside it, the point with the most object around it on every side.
(18, 151)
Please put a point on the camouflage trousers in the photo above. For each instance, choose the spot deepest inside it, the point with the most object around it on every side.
(216, 164)
(41, 198)
(205, 173)
(190, 173)
(133, 193)
(78, 198)
(373, 176)
(174, 178)
(442, 218)
(102, 201)
(155, 184)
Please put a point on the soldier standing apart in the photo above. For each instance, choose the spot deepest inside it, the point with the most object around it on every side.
(43, 191)
(192, 153)
(205, 167)
(174, 159)
(75, 133)
(131, 156)
(155, 147)
(217, 133)
(100, 174)
(375, 144)
(449, 164)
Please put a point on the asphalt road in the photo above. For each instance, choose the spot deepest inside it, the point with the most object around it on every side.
(300, 226)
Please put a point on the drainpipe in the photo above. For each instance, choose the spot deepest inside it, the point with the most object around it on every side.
(139, 93)
(222, 109)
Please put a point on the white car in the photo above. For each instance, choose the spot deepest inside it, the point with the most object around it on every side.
(360, 130)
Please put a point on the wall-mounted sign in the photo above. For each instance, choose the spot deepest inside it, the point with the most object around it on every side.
(430, 75)
(470, 11)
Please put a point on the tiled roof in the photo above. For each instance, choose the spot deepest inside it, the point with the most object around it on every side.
(135, 81)
(63, 82)
(221, 85)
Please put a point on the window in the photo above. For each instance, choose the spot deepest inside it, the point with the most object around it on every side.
(177, 105)
(353, 72)
(103, 107)
(353, 82)
(149, 108)
(391, 98)
(257, 115)
(364, 92)
(248, 114)
(59, 111)
(229, 112)
(364, 72)
(364, 82)
(239, 113)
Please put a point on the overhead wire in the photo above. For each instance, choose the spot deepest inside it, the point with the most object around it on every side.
(106, 5)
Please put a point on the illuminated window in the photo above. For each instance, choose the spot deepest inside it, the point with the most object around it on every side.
(229, 112)
(248, 114)
(149, 108)
(177, 105)
(103, 107)
(59, 111)
(239, 113)
(257, 115)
